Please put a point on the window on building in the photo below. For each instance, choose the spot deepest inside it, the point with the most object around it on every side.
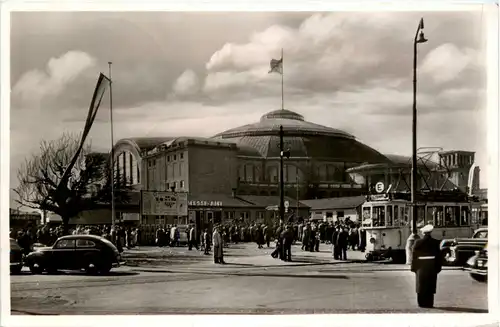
(168, 158)
(175, 170)
(228, 216)
(182, 155)
(257, 173)
(249, 173)
(132, 169)
(175, 157)
(180, 169)
(167, 186)
(160, 220)
(244, 216)
(261, 215)
(181, 185)
(273, 174)
(322, 173)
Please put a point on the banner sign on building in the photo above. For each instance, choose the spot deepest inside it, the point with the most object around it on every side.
(164, 203)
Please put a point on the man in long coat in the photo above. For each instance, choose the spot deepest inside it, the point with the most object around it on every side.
(218, 246)
(426, 264)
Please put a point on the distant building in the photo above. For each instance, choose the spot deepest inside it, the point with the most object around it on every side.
(336, 209)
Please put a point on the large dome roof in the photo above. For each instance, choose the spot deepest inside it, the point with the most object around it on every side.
(303, 138)
(292, 123)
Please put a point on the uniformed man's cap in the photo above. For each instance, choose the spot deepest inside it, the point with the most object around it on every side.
(427, 229)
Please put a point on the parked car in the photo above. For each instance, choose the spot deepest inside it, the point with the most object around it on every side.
(457, 251)
(477, 265)
(93, 253)
(16, 257)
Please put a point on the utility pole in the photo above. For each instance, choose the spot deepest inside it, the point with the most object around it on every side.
(282, 184)
(113, 214)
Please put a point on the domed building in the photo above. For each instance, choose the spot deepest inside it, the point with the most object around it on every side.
(235, 174)
(319, 157)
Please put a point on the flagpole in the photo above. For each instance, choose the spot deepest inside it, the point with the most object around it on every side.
(113, 215)
(282, 72)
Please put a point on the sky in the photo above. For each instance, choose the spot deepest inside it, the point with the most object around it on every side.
(198, 74)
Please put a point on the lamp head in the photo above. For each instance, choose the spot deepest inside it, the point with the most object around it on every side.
(421, 38)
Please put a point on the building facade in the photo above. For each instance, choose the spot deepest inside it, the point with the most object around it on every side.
(218, 172)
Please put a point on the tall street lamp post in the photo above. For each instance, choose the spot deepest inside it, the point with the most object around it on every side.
(419, 38)
(283, 153)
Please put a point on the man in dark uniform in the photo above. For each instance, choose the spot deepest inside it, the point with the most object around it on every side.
(426, 264)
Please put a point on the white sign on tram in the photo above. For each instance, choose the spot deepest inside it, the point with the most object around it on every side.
(164, 203)
(379, 187)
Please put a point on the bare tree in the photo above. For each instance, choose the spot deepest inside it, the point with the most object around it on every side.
(41, 174)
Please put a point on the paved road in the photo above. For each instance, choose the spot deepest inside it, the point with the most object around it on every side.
(252, 283)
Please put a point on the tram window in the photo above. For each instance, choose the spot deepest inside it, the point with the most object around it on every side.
(420, 216)
(452, 216)
(464, 216)
(378, 217)
(389, 216)
(366, 217)
(396, 216)
(406, 216)
(435, 216)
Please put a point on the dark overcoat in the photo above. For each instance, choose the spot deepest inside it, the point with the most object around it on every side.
(426, 264)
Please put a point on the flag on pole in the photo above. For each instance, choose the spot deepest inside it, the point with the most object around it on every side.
(276, 66)
(421, 24)
(102, 84)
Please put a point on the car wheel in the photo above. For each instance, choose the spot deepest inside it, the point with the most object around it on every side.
(104, 269)
(398, 258)
(479, 278)
(15, 270)
(52, 271)
(36, 268)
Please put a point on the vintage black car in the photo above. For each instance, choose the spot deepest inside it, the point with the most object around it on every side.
(93, 253)
(16, 257)
(457, 251)
(477, 265)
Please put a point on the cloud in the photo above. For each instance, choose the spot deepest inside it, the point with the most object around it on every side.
(343, 52)
(36, 84)
(186, 84)
(446, 62)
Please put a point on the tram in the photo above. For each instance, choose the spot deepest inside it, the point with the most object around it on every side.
(386, 220)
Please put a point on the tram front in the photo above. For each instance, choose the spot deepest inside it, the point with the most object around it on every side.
(387, 225)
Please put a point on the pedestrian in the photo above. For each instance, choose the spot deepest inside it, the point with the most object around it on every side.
(342, 240)
(305, 237)
(362, 239)
(206, 242)
(312, 238)
(287, 244)
(218, 246)
(192, 238)
(335, 248)
(426, 264)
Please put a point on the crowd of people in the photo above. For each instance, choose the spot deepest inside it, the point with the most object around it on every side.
(340, 235)
(121, 236)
